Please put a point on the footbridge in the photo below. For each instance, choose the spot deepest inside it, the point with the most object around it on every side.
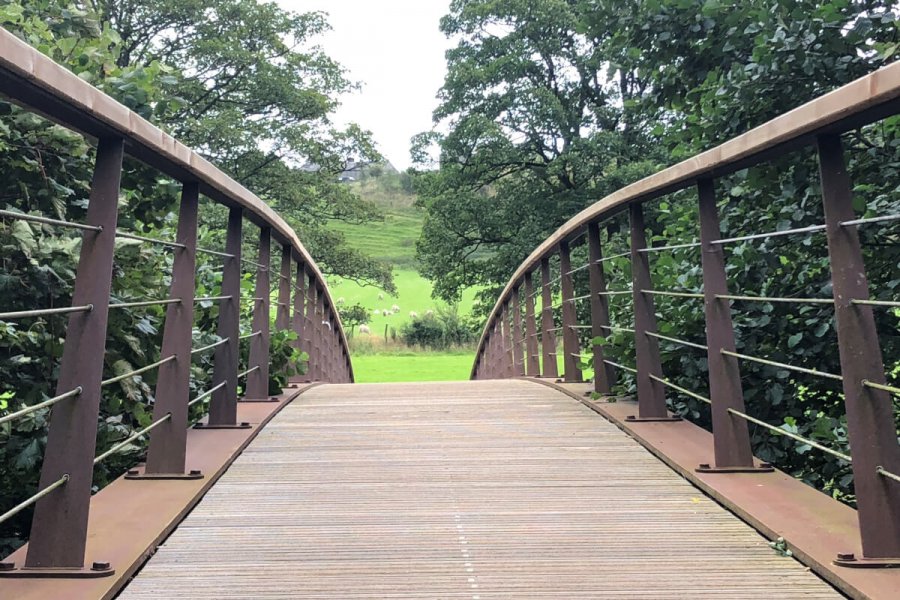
(524, 482)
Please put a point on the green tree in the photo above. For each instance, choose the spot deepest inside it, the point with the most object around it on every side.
(536, 131)
(253, 93)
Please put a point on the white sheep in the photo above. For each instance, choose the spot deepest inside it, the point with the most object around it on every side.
(385, 313)
(413, 314)
(429, 313)
(341, 300)
(395, 308)
(364, 329)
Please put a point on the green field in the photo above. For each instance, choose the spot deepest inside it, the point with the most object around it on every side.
(392, 241)
(376, 359)
(413, 295)
(412, 366)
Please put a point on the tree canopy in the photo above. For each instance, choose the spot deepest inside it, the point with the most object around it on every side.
(549, 105)
(245, 85)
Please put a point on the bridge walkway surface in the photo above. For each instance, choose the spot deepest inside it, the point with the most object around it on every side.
(477, 490)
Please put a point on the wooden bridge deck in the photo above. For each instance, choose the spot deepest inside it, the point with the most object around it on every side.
(470, 490)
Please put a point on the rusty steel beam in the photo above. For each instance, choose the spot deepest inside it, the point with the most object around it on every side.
(223, 404)
(319, 325)
(518, 341)
(532, 360)
(548, 337)
(59, 526)
(298, 320)
(167, 449)
(505, 342)
(731, 437)
(604, 374)
(309, 340)
(870, 417)
(257, 387)
(571, 346)
(651, 395)
(283, 312)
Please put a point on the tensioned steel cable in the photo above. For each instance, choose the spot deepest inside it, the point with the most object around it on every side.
(35, 407)
(26, 503)
(773, 363)
(24, 314)
(684, 391)
(136, 435)
(207, 393)
(210, 347)
(118, 378)
(45, 221)
(140, 238)
(794, 436)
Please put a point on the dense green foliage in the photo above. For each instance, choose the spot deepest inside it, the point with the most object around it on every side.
(242, 83)
(440, 330)
(551, 104)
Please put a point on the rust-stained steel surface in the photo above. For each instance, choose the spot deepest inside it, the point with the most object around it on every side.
(471, 490)
(129, 518)
(815, 526)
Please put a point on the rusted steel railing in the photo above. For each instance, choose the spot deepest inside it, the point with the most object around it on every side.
(819, 124)
(57, 541)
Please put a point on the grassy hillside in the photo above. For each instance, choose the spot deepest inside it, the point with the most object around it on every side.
(393, 241)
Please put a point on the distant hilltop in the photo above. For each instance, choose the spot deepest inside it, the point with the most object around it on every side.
(356, 170)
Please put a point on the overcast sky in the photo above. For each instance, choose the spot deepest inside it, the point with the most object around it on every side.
(396, 51)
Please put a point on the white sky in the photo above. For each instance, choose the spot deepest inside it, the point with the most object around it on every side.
(396, 51)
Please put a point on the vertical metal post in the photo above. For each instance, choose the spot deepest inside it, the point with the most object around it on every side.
(569, 317)
(497, 351)
(329, 345)
(309, 340)
(604, 374)
(320, 333)
(506, 337)
(258, 380)
(223, 403)
(166, 454)
(283, 313)
(870, 422)
(548, 337)
(532, 360)
(298, 322)
(59, 526)
(731, 438)
(651, 396)
(518, 341)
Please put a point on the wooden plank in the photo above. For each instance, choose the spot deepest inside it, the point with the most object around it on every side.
(130, 518)
(488, 489)
(815, 526)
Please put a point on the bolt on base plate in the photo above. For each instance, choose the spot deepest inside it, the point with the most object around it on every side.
(637, 419)
(243, 425)
(137, 475)
(760, 468)
(270, 399)
(96, 570)
(850, 560)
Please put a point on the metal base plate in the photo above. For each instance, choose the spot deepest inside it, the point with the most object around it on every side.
(636, 419)
(165, 476)
(40, 572)
(235, 426)
(761, 468)
(273, 399)
(868, 563)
